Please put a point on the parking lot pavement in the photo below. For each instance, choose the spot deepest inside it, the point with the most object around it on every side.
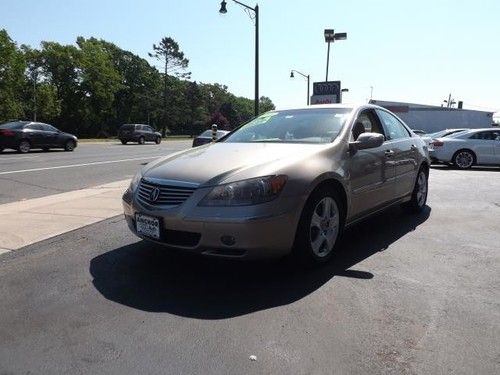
(40, 174)
(404, 295)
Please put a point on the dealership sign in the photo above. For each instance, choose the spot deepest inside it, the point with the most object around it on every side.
(324, 99)
(326, 92)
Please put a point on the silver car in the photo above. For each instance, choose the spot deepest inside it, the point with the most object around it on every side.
(288, 180)
(468, 148)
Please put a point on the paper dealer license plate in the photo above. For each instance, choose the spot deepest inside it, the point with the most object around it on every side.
(148, 226)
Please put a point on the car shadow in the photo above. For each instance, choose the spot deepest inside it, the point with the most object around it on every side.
(34, 151)
(149, 278)
(444, 167)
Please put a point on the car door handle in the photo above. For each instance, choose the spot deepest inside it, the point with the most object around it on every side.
(389, 153)
(413, 147)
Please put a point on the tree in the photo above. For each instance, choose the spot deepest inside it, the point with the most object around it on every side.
(99, 83)
(12, 67)
(265, 104)
(175, 63)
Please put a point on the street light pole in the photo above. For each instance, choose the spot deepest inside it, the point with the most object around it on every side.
(330, 37)
(327, 61)
(306, 77)
(223, 10)
(35, 77)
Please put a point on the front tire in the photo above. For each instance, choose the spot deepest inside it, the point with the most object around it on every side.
(24, 146)
(124, 142)
(69, 146)
(158, 140)
(320, 226)
(141, 140)
(419, 194)
(464, 159)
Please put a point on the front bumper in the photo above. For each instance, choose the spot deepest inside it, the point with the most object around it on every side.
(228, 237)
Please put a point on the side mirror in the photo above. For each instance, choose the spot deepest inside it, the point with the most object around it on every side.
(367, 140)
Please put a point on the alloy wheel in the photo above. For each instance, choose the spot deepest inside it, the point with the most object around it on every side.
(464, 159)
(324, 227)
(24, 146)
(421, 188)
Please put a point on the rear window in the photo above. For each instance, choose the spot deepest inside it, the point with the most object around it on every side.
(13, 125)
(127, 127)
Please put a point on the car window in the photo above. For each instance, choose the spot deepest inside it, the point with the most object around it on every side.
(393, 128)
(486, 135)
(34, 127)
(49, 128)
(149, 129)
(370, 122)
(293, 126)
(127, 127)
(13, 125)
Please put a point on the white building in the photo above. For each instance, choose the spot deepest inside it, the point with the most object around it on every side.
(433, 118)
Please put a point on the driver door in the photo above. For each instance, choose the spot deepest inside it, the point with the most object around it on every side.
(372, 172)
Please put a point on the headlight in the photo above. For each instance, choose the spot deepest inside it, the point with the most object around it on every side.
(246, 192)
(135, 181)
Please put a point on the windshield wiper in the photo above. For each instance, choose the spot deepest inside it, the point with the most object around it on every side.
(268, 140)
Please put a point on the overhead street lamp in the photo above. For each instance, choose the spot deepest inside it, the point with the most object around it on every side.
(306, 77)
(223, 10)
(330, 37)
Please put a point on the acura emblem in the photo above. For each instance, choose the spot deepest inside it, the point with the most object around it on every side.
(155, 193)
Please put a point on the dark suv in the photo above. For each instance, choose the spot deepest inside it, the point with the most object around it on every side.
(138, 133)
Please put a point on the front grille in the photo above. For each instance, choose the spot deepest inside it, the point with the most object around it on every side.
(169, 194)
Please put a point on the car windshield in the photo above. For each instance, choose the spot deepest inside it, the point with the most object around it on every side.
(293, 126)
(13, 125)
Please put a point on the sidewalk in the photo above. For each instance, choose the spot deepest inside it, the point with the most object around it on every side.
(25, 222)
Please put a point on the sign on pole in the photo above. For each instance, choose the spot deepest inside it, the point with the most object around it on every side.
(326, 92)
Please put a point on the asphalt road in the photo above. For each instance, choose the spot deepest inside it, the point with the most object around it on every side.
(39, 174)
(405, 295)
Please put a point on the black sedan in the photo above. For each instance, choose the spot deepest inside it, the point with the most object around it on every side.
(206, 137)
(26, 135)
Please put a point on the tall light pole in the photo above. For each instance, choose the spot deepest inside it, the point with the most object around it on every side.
(35, 78)
(306, 77)
(223, 10)
(330, 37)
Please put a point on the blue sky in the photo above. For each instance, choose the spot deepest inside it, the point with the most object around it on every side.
(417, 51)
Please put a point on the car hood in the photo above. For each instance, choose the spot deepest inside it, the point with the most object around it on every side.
(224, 161)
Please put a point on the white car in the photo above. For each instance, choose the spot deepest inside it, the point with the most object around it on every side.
(468, 148)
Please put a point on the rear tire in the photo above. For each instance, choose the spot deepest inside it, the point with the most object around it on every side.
(419, 194)
(141, 140)
(158, 140)
(464, 159)
(124, 142)
(69, 146)
(24, 146)
(320, 227)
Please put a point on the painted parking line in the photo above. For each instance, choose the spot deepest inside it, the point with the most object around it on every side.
(78, 165)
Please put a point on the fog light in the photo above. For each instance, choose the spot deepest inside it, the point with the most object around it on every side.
(228, 240)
